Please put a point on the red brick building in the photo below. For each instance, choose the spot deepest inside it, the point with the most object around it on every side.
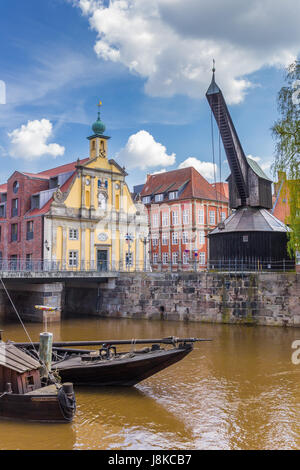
(182, 208)
(24, 200)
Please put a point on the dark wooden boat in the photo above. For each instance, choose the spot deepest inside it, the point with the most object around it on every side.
(123, 369)
(22, 395)
(107, 367)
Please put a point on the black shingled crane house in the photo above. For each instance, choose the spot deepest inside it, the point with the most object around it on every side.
(251, 238)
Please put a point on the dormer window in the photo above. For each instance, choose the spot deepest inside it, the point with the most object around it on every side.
(146, 199)
(35, 202)
(159, 197)
(53, 182)
(173, 195)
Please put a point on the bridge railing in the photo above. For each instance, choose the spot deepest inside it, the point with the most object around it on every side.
(38, 266)
(62, 266)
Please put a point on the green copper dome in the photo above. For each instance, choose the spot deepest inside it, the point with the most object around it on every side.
(98, 126)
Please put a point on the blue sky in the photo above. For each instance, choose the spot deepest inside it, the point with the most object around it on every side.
(59, 57)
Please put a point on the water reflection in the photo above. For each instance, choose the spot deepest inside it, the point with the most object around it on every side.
(240, 391)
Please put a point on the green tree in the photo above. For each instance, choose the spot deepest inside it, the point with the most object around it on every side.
(286, 131)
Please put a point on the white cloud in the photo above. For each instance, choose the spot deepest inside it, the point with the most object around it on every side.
(30, 141)
(163, 170)
(171, 43)
(142, 151)
(207, 169)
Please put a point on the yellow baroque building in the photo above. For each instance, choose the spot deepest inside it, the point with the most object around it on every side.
(92, 221)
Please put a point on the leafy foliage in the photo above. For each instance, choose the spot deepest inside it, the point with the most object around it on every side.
(286, 131)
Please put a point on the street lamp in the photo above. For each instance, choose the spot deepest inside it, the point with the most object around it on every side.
(129, 238)
(145, 240)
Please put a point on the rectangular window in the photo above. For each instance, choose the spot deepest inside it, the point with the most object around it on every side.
(202, 257)
(155, 241)
(155, 258)
(29, 262)
(29, 230)
(14, 207)
(146, 199)
(165, 219)
(185, 257)
(14, 232)
(212, 217)
(175, 218)
(175, 257)
(35, 202)
(185, 237)
(175, 238)
(223, 216)
(201, 238)
(30, 382)
(173, 195)
(3, 210)
(159, 197)
(155, 220)
(73, 234)
(201, 216)
(3, 197)
(165, 238)
(73, 259)
(165, 258)
(186, 216)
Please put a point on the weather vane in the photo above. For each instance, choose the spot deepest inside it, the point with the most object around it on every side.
(214, 66)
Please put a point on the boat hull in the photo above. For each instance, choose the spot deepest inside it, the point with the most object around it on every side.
(37, 407)
(121, 372)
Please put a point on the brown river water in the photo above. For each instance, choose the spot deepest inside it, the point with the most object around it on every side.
(240, 391)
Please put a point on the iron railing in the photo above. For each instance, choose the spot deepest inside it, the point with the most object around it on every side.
(36, 266)
(253, 265)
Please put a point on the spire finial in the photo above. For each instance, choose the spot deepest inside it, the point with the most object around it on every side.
(214, 69)
(98, 126)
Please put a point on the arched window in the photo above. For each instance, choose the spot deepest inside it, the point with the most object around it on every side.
(16, 187)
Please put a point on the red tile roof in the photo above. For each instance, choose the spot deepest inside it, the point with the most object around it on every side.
(62, 169)
(46, 207)
(188, 181)
(3, 188)
(35, 175)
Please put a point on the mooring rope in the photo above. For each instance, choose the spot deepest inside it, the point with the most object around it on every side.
(50, 376)
(17, 313)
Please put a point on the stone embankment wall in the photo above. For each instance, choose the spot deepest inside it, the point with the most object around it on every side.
(252, 298)
(263, 299)
(26, 296)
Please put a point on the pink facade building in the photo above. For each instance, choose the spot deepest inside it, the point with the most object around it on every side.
(182, 208)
